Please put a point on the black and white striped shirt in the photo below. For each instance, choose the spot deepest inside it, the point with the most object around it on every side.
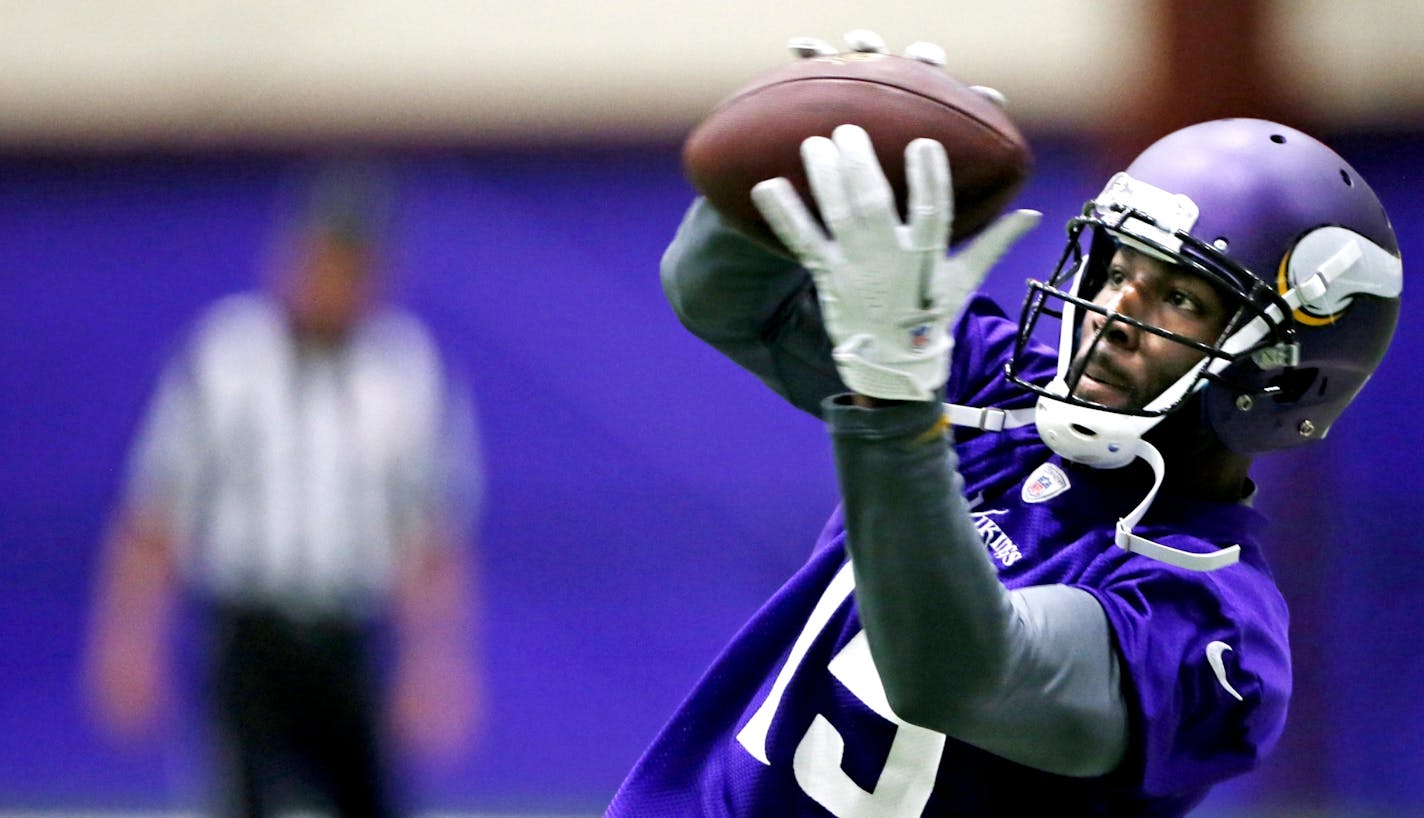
(297, 475)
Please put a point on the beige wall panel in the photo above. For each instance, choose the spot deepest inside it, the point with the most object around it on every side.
(215, 71)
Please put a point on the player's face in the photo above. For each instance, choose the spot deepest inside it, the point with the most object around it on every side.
(1126, 368)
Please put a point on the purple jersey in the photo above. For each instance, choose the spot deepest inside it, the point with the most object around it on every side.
(791, 718)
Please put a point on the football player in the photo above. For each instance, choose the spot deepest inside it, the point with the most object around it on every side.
(1046, 583)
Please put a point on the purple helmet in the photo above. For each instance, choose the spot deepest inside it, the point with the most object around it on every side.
(1286, 229)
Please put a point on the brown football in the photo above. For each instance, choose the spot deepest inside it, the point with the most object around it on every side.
(756, 134)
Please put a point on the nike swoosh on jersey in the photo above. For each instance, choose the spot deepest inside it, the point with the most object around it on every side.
(1213, 658)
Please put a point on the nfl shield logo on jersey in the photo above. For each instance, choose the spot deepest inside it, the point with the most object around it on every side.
(1047, 481)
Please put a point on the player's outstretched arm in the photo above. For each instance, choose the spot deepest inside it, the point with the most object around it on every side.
(754, 306)
(1032, 674)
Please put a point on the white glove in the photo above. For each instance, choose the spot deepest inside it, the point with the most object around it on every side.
(866, 41)
(888, 293)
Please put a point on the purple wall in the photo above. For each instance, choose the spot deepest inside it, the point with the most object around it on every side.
(644, 495)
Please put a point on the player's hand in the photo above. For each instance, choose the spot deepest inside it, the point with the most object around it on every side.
(888, 293)
(866, 41)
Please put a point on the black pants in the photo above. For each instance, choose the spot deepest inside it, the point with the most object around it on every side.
(296, 715)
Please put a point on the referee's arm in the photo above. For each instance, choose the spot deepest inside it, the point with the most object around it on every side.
(126, 658)
(437, 694)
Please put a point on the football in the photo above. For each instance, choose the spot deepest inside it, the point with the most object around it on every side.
(756, 133)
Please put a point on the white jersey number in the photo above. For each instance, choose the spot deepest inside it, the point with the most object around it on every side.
(908, 777)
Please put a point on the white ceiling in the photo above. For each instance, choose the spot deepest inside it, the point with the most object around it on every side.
(202, 71)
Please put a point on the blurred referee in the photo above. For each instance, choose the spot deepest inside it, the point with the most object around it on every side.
(308, 472)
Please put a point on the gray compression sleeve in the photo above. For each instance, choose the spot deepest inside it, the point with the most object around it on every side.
(1030, 675)
(754, 306)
